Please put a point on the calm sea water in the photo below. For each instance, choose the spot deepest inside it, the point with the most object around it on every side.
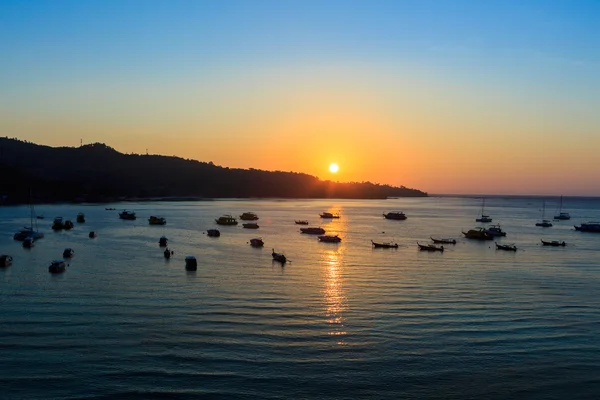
(340, 321)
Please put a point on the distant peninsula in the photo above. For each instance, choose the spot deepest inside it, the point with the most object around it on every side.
(99, 173)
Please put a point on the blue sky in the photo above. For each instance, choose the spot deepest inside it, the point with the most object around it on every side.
(115, 71)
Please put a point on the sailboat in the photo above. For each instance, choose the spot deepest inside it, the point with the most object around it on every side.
(484, 218)
(28, 231)
(545, 223)
(561, 215)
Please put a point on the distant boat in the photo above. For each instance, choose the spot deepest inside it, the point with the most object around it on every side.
(479, 234)
(397, 215)
(384, 245)
(190, 263)
(507, 247)
(303, 222)
(278, 257)
(249, 216)
(92, 234)
(167, 253)
(257, 242)
(29, 231)
(483, 218)
(28, 242)
(589, 227)
(213, 233)
(544, 223)
(561, 214)
(68, 253)
(129, 215)
(330, 238)
(226, 220)
(250, 225)
(154, 220)
(81, 217)
(329, 215)
(163, 241)
(430, 247)
(495, 230)
(57, 266)
(68, 224)
(443, 241)
(313, 231)
(58, 224)
(554, 243)
(5, 261)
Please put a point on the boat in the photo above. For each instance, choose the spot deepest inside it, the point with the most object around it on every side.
(554, 243)
(57, 266)
(40, 217)
(302, 222)
(29, 231)
(5, 261)
(313, 231)
(443, 241)
(162, 242)
(92, 234)
(329, 215)
(249, 216)
(110, 209)
(154, 220)
(81, 217)
(28, 242)
(68, 225)
(330, 238)
(190, 263)
(589, 227)
(544, 223)
(430, 247)
(507, 247)
(478, 233)
(129, 215)
(384, 245)
(257, 242)
(213, 233)
(397, 215)
(561, 215)
(68, 253)
(278, 257)
(167, 253)
(483, 218)
(226, 220)
(250, 225)
(495, 230)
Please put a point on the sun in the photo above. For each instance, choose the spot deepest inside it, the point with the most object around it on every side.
(333, 168)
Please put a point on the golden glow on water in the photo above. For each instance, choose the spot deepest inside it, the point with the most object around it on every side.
(334, 297)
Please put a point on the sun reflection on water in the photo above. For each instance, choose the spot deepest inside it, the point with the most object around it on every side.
(334, 297)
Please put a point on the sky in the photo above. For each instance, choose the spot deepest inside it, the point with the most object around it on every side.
(449, 97)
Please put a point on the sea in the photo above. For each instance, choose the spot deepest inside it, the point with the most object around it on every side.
(337, 321)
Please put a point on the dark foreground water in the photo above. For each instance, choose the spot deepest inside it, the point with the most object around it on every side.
(339, 321)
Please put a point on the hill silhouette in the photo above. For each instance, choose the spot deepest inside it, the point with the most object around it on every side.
(97, 172)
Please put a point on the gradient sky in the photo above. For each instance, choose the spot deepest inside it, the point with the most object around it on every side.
(489, 97)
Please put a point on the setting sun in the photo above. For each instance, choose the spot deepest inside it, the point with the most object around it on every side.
(333, 168)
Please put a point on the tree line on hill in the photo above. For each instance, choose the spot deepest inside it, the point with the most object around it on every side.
(99, 173)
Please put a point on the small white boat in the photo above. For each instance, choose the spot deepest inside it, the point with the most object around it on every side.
(484, 217)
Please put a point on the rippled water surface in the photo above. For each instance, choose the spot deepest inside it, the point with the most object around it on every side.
(339, 321)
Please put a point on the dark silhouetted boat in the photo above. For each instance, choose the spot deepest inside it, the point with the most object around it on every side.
(280, 257)
(397, 215)
(226, 220)
(313, 231)
(507, 247)
(561, 216)
(249, 216)
(250, 225)
(163, 241)
(303, 222)
(5, 261)
(80, 218)
(495, 230)
(429, 247)
(484, 217)
(190, 263)
(330, 238)
(554, 243)
(57, 266)
(589, 227)
(329, 215)
(384, 245)
(129, 215)
(29, 242)
(479, 234)
(257, 242)
(68, 253)
(213, 233)
(443, 241)
(154, 220)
